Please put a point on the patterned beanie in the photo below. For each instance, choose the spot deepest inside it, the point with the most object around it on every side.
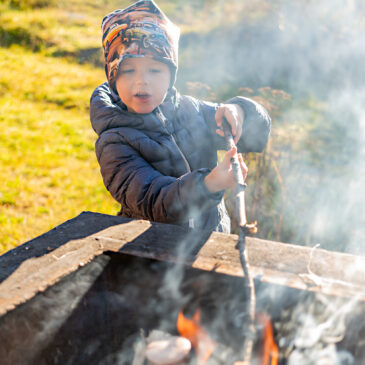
(141, 30)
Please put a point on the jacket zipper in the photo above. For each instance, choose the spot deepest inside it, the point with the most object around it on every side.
(187, 166)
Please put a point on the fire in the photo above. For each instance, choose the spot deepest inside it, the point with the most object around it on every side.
(270, 351)
(199, 338)
(204, 345)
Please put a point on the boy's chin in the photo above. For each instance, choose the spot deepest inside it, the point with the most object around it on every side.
(141, 110)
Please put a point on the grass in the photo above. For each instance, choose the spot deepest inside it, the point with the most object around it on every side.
(48, 167)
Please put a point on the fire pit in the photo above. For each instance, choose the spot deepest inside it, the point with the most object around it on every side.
(96, 288)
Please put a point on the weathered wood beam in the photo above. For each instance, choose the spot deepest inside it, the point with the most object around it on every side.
(43, 261)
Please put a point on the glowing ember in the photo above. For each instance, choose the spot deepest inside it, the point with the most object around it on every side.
(199, 338)
(270, 351)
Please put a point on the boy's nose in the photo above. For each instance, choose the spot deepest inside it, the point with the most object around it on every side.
(142, 78)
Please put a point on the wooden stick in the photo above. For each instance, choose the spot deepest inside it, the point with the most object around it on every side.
(244, 228)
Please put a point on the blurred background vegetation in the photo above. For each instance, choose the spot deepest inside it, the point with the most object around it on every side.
(302, 61)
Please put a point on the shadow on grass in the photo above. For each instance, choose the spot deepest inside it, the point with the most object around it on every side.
(21, 37)
(92, 56)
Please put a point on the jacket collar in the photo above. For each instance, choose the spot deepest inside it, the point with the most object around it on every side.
(150, 121)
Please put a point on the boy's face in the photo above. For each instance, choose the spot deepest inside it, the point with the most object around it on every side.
(142, 83)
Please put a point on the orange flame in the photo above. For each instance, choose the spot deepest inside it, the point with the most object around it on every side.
(196, 334)
(270, 351)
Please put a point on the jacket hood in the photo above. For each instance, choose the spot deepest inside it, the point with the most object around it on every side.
(140, 30)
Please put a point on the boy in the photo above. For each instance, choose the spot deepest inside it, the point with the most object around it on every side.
(157, 150)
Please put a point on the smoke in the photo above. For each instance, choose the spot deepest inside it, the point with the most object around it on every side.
(305, 46)
(314, 52)
(316, 326)
(340, 201)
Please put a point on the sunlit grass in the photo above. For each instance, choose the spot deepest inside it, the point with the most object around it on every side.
(48, 167)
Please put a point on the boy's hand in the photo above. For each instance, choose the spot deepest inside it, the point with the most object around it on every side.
(234, 115)
(221, 177)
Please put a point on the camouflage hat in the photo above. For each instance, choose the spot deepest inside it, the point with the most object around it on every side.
(141, 30)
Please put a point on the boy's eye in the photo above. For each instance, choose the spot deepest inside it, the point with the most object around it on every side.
(126, 71)
(155, 70)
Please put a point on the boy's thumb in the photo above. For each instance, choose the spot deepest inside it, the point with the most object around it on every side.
(227, 157)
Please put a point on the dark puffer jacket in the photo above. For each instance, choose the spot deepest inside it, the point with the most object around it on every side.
(154, 164)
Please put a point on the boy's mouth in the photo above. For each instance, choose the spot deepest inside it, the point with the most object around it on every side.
(142, 96)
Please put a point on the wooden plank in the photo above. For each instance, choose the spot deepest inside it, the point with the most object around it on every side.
(42, 262)
(272, 262)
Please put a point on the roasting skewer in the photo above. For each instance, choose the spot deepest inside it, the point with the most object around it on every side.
(244, 228)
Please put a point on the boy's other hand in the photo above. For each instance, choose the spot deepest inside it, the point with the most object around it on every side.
(234, 115)
(221, 177)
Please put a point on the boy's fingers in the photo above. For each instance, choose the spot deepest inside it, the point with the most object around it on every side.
(234, 115)
(219, 116)
(227, 157)
(236, 138)
(242, 161)
(244, 167)
(224, 111)
(233, 150)
(232, 122)
(238, 134)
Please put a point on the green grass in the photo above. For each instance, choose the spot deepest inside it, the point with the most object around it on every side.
(48, 167)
